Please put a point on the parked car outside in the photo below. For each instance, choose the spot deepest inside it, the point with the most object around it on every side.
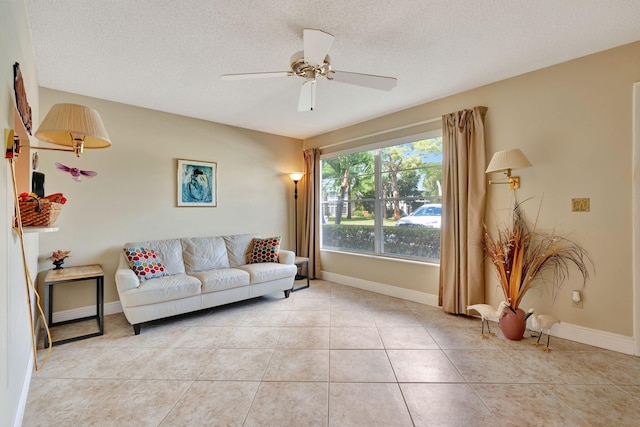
(425, 216)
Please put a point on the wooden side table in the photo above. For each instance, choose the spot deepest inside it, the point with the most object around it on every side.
(300, 262)
(74, 274)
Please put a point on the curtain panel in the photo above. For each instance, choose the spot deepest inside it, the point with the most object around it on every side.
(462, 280)
(310, 239)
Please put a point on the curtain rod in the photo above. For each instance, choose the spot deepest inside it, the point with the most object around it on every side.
(424, 122)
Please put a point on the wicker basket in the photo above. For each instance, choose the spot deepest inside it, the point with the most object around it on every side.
(39, 213)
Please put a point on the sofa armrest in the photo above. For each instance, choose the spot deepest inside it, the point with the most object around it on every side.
(286, 257)
(125, 277)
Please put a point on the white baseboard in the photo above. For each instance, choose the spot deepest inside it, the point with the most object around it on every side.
(24, 394)
(594, 337)
(77, 313)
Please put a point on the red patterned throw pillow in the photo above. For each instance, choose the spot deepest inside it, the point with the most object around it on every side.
(145, 263)
(265, 250)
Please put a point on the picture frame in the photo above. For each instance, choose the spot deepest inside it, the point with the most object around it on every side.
(197, 183)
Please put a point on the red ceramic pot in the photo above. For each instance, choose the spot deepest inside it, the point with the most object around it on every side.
(513, 324)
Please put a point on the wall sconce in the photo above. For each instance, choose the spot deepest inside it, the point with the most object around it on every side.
(69, 125)
(295, 177)
(506, 161)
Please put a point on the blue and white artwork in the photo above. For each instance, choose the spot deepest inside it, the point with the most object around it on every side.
(196, 183)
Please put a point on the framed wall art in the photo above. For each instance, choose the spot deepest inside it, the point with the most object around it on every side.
(24, 109)
(197, 183)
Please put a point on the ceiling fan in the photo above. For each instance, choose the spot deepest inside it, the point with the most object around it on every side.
(314, 62)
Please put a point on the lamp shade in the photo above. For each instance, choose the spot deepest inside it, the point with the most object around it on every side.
(508, 159)
(65, 124)
(296, 176)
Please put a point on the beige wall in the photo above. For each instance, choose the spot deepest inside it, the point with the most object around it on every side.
(133, 197)
(411, 275)
(15, 336)
(574, 123)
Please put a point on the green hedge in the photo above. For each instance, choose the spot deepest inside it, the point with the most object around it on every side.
(410, 242)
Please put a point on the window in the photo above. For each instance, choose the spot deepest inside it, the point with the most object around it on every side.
(384, 200)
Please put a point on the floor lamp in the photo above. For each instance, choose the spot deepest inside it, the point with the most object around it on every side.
(295, 177)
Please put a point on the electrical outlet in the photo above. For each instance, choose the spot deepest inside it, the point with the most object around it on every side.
(580, 205)
(576, 299)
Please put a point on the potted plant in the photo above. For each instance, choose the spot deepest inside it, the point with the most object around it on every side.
(524, 257)
(58, 258)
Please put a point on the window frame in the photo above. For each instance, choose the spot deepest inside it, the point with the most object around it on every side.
(378, 200)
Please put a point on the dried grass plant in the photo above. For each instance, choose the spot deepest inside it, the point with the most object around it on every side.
(524, 257)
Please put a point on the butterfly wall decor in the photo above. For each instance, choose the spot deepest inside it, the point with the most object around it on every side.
(75, 172)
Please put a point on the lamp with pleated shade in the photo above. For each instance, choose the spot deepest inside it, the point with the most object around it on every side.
(506, 161)
(74, 126)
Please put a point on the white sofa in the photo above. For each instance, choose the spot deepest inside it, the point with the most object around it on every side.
(202, 272)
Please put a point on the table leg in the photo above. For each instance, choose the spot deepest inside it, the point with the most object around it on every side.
(100, 303)
(299, 276)
(48, 305)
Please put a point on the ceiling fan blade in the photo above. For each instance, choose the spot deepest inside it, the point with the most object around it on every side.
(246, 76)
(366, 80)
(307, 100)
(316, 46)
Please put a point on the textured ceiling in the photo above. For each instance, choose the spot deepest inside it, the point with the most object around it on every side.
(168, 55)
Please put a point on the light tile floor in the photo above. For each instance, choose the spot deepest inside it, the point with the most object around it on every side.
(330, 355)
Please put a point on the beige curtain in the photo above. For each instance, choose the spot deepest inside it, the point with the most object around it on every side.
(310, 239)
(463, 204)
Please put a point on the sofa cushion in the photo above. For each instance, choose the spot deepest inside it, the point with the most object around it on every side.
(169, 251)
(161, 289)
(266, 271)
(145, 263)
(204, 253)
(221, 279)
(265, 250)
(239, 248)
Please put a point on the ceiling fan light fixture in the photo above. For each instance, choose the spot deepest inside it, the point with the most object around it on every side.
(303, 69)
(314, 61)
(325, 68)
(297, 63)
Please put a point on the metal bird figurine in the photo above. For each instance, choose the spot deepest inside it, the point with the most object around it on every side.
(542, 322)
(488, 311)
(75, 172)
